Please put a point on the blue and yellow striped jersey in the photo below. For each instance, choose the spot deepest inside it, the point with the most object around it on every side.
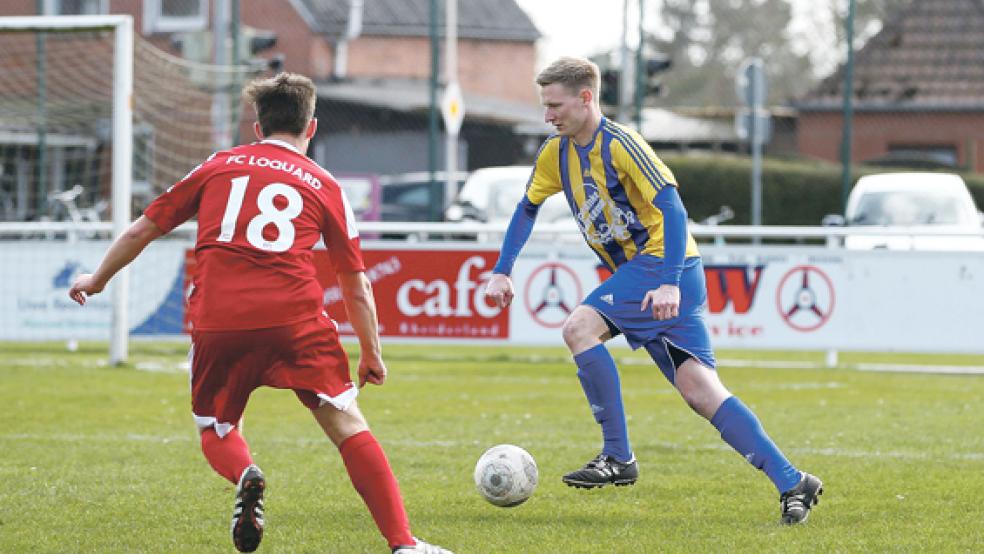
(610, 186)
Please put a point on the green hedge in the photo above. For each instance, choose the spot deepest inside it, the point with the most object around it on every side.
(793, 192)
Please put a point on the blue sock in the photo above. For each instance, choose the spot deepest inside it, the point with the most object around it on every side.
(742, 430)
(599, 379)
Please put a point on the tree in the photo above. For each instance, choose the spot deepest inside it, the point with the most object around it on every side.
(707, 40)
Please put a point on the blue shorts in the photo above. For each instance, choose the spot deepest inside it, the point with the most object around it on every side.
(619, 298)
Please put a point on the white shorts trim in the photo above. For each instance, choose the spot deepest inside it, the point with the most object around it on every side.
(221, 428)
(342, 401)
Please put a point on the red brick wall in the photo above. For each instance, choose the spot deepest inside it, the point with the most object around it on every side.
(295, 39)
(500, 69)
(819, 134)
(19, 7)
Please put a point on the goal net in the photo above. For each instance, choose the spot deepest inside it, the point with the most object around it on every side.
(95, 123)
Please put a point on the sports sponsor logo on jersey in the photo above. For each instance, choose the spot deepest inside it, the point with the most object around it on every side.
(590, 218)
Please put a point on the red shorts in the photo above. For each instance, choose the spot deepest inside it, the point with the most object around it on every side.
(226, 366)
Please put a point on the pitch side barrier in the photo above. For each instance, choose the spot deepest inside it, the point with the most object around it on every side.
(790, 288)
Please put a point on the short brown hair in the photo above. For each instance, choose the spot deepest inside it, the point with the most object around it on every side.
(283, 103)
(573, 73)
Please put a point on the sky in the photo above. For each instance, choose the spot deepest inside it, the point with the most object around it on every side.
(585, 27)
(578, 27)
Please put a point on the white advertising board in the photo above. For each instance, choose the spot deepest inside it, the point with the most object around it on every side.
(759, 297)
(35, 277)
(796, 298)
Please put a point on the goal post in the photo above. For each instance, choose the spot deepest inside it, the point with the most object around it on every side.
(122, 138)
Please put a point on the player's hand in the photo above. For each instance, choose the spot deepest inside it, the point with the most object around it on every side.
(371, 370)
(500, 290)
(84, 285)
(664, 301)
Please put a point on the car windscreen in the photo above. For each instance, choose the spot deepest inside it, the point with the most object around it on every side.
(907, 208)
(508, 193)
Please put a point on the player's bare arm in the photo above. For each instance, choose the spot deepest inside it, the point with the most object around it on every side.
(361, 307)
(123, 251)
(663, 301)
(500, 290)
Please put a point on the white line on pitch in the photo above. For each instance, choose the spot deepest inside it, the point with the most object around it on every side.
(806, 451)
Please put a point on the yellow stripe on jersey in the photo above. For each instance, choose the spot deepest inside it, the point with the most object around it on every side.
(545, 181)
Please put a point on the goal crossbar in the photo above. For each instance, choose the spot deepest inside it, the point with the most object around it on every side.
(37, 23)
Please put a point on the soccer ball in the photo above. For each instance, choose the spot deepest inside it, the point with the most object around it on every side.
(506, 475)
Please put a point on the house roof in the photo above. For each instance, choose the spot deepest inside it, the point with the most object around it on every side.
(927, 57)
(413, 95)
(661, 125)
(477, 19)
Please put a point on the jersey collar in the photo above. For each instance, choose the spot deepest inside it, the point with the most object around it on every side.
(280, 143)
(590, 145)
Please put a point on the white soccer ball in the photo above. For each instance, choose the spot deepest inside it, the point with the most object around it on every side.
(506, 475)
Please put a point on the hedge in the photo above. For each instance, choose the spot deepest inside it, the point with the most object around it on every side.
(793, 192)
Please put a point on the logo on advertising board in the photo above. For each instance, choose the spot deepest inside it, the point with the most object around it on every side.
(805, 298)
(551, 294)
(64, 276)
(734, 285)
(54, 300)
(37, 305)
(424, 293)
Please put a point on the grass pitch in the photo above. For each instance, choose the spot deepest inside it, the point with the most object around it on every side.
(105, 459)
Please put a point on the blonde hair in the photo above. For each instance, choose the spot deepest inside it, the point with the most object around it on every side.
(573, 73)
(283, 103)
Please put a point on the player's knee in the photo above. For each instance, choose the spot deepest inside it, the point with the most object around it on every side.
(339, 425)
(575, 332)
(694, 398)
(701, 392)
(690, 387)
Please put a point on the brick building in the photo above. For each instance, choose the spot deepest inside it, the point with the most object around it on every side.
(373, 80)
(918, 92)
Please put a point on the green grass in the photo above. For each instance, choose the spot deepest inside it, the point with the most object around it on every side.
(104, 459)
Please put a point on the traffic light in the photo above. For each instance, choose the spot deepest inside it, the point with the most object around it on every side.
(252, 41)
(654, 66)
(609, 93)
(197, 46)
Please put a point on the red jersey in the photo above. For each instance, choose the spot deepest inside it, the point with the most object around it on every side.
(261, 209)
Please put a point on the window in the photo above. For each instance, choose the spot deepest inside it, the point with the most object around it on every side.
(76, 7)
(416, 195)
(166, 16)
(940, 155)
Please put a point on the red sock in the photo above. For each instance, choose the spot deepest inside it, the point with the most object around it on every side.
(228, 455)
(372, 476)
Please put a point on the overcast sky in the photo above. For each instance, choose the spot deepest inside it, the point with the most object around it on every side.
(578, 27)
(585, 27)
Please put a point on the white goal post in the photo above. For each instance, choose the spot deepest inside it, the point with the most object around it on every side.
(122, 137)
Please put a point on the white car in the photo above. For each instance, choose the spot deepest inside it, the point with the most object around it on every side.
(490, 194)
(916, 204)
